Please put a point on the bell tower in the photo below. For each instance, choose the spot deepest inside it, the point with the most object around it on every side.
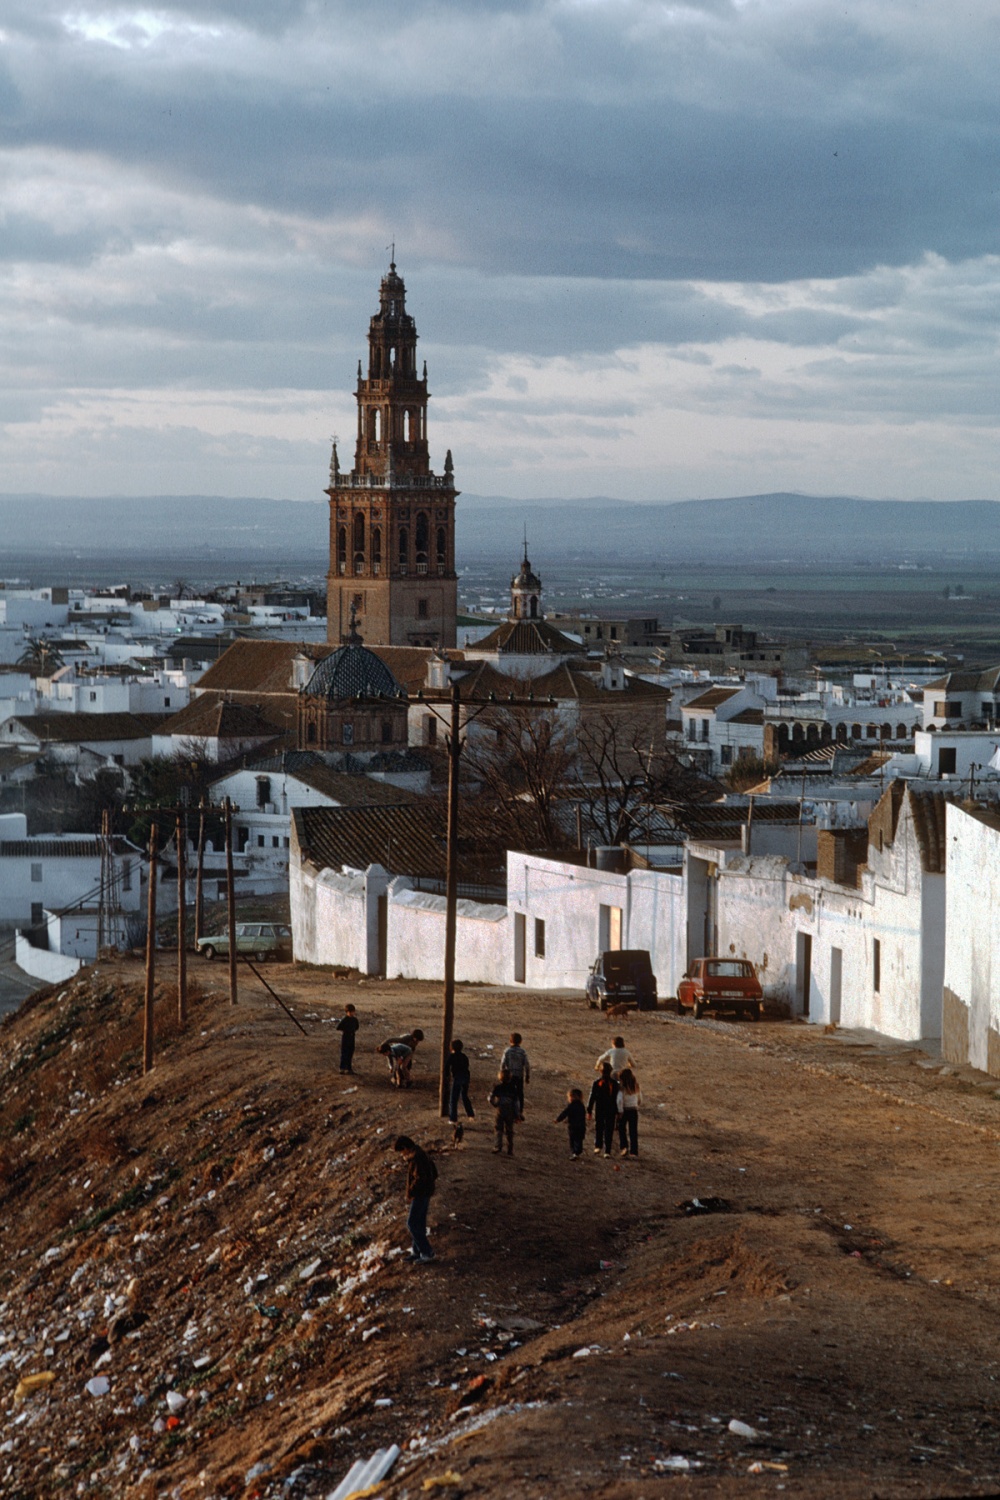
(392, 520)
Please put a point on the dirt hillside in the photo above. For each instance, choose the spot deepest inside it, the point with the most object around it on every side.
(216, 1251)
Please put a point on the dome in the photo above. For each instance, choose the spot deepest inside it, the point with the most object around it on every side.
(525, 579)
(352, 671)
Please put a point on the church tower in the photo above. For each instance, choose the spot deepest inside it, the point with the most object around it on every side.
(392, 520)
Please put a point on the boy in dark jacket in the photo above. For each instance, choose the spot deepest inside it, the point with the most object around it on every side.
(575, 1115)
(421, 1176)
(457, 1074)
(348, 1028)
(602, 1105)
(505, 1102)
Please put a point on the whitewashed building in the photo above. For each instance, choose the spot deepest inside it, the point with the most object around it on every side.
(971, 999)
(564, 910)
(858, 943)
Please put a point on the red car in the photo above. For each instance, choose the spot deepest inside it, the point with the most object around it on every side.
(721, 984)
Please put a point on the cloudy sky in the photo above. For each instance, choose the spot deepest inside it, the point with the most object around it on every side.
(654, 251)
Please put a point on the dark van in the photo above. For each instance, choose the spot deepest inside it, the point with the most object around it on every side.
(623, 976)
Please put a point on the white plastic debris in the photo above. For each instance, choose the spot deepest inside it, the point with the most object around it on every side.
(365, 1473)
(309, 1270)
(582, 1353)
(675, 1463)
(382, 1401)
(740, 1429)
(99, 1385)
(175, 1401)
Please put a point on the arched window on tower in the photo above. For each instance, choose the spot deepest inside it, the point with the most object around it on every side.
(534, 606)
(392, 360)
(376, 363)
(375, 424)
(342, 550)
(359, 543)
(376, 550)
(442, 549)
(422, 540)
(404, 551)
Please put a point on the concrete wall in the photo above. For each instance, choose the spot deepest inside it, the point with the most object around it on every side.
(971, 1030)
(415, 948)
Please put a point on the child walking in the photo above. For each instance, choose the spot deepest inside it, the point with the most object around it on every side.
(457, 1073)
(603, 1105)
(504, 1101)
(575, 1115)
(348, 1028)
(629, 1099)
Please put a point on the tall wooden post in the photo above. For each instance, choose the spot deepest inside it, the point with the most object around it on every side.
(182, 999)
(451, 892)
(231, 902)
(147, 1009)
(199, 895)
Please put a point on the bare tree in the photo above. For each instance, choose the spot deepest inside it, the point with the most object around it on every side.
(524, 758)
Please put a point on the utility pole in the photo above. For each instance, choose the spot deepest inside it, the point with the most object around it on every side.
(454, 743)
(199, 897)
(181, 840)
(147, 1009)
(231, 902)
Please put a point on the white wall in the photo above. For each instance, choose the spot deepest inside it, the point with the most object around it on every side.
(763, 909)
(971, 1032)
(50, 968)
(568, 898)
(415, 949)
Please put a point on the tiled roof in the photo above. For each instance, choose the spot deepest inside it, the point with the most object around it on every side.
(258, 666)
(713, 698)
(526, 638)
(966, 682)
(68, 729)
(405, 840)
(747, 716)
(212, 718)
(82, 848)
(351, 790)
(928, 809)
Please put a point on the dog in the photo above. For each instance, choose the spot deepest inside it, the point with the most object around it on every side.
(618, 1012)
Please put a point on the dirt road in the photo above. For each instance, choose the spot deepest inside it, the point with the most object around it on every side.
(844, 1304)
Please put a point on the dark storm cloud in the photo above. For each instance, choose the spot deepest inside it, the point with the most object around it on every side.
(765, 156)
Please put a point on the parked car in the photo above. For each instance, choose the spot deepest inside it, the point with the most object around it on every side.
(255, 939)
(721, 984)
(622, 976)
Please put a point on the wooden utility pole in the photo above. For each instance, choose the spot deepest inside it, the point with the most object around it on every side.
(231, 902)
(182, 999)
(199, 897)
(147, 1009)
(451, 892)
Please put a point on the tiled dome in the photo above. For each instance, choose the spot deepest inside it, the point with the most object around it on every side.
(352, 671)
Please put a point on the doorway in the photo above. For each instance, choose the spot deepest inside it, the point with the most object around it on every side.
(836, 981)
(519, 926)
(803, 969)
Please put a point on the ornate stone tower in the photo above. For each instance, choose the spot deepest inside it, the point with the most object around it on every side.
(392, 521)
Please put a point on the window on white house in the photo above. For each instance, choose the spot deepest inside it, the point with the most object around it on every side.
(726, 753)
(876, 965)
(36, 872)
(539, 938)
(260, 841)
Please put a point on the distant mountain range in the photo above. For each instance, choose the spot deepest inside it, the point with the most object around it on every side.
(208, 535)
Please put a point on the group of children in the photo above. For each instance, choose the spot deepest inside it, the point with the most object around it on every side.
(615, 1096)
